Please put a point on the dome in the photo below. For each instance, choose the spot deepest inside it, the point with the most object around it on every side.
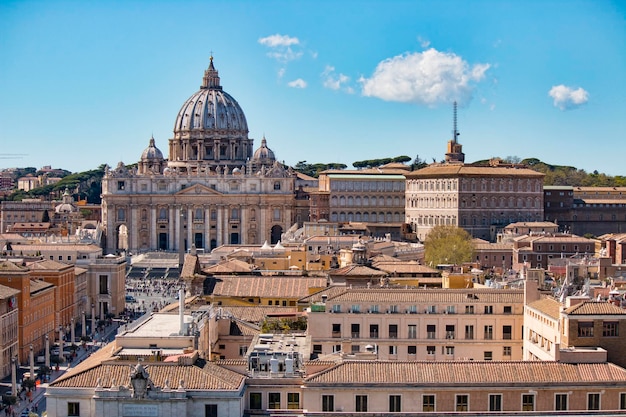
(264, 155)
(66, 206)
(211, 108)
(151, 152)
(210, 130)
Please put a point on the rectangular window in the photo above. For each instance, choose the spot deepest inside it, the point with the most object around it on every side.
(412, 334)
(462, 403)
(355, 330)
(293, 400)
(506, 351)
(393, 350)
(508, 310)
(488, 309)
(450, 333)
(374, 331)
(585, 329)
(610, 329)
(430, 350)
(104, 284)
(120, 185)
(488, 356)
(560, 402)
(336, 330)
(360, 403)
(395, 405)
(428, 403)
(210, 410)
(393, 331)
(469, 309)
(469, 332)
(430, 331)
(449, 350)
(273, 400)
(412, 350)
(328, 403)
(593, 401)
(73, 409)
(256, 401)
(488, 332)
(495, 402)
(507, 332)
(528, 402)
(622, 400)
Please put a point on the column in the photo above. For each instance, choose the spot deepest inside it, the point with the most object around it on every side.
(207, 228)
(153, 228)
(243, 224)
(189, 227)
(133, 229)
(220, 214)
(172, 222)
(263, 235)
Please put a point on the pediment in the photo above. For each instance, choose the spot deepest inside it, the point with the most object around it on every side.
(198, 189)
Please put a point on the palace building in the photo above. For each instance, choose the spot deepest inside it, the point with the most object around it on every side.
(214, 188)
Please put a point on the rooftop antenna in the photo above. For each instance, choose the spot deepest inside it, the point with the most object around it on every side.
(455, 132)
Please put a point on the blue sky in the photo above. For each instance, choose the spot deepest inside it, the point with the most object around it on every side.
(87, 83)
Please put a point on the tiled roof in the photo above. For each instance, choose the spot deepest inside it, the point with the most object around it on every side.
(191, 266)
(6, 292)
(329, 292)
(469, 372)
(547, 306)
(260, 286)
(452, 170)
(404, 267)
(207, 377)
(357, 271)
(38, 285)
(384, 258)
(229, 266)
(595, 307)
(47, 265)
(58, 247)
(452, 296)
(255, 314)
(6, 266)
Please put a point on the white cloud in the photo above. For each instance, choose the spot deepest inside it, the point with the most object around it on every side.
(277, 40)
(428, 78)
(281, 47)
(281, 72)
(298, 83)
(335, 81)
(566, 98)
(424, 43)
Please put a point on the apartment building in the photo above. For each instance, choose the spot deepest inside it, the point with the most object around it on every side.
(9, 337)
(535, 251)
(418, 324)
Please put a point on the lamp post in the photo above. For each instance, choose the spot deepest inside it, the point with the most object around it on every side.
(32, 363)
(61, 343)
(47, 352)
(93, 320)
(84, 325)
(13, 376)
(72, 331)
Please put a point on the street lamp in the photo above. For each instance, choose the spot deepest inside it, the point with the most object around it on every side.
(32, 363)
(47, 352)
(93, 320)
(84, 324)
(14, 375)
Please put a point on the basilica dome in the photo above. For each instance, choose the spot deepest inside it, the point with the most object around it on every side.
(152, 152)
(264, 155)
(210, 129)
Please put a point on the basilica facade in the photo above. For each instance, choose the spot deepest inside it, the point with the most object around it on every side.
(213, 189)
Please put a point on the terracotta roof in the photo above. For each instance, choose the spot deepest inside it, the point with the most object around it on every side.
(385, 258)
(255, 314)
(357, 271)
(6, 266)
(402, 295)
(229, 266)
(206, 377)
(329, 292)
(264, 287)
(191, 266)
(404, 267)
(38, 285)
(6, 292)
(454, 170)
(58, 247)
(594, 308)
(547, 306)
(47, 265)
(469, 372)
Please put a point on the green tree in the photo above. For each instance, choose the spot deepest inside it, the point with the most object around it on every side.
(448, 245)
